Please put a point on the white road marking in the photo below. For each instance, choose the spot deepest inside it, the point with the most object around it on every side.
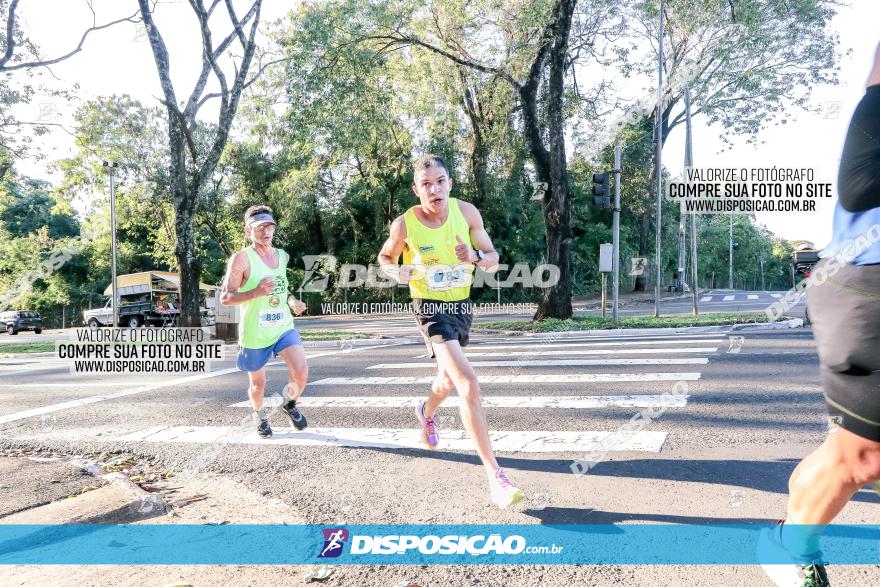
(776, 295)
(397, 438)
(563, 402)
(728, 298)
(528, 379)
(751, 296)
(706, 299)
(145, 388)
(73, 385)
(537, 353)
(559, 363)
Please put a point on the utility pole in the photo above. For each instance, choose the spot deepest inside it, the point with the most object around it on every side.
(659, 137)
(111, 166)
(615, 235)
(689, 162)
(763, 287)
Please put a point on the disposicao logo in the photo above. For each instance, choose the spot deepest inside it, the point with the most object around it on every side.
(480, 545)
(443, 545)
(334, 540)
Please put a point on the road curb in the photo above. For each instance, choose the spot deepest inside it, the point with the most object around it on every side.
(120, 501)
(781, 325)
(786, 324)
(25, 355)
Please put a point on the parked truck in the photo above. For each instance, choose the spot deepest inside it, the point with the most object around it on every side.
(148, 298)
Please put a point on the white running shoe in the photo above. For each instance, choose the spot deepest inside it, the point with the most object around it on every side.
(502, 491)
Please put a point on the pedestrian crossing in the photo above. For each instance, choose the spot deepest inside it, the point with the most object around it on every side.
(762, 297)
(542, 379)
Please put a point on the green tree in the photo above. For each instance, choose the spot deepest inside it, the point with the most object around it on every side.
(748, 63)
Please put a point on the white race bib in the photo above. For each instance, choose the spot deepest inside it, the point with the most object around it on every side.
(271, 318)
(444, 277)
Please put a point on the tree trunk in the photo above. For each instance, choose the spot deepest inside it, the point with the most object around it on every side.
(479, 151)
(184, 197)
(556, 300)
(189, 264)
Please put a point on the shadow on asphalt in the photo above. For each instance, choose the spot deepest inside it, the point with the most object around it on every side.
(769, 476)
(553, 515)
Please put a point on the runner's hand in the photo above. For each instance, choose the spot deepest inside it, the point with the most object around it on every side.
(296, 305)
(399, 273)
(405, 273)
(462, 251)
(266, 286)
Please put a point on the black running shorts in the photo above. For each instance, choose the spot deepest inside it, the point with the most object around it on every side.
(845, 311)
(441, 322)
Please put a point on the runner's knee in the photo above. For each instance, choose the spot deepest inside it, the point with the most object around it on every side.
(469, 389)
(442, 385)
(853, 463)
(258, 380)
(863, 465)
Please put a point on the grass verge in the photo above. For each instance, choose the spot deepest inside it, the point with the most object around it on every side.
(325, 334)
(27, 347)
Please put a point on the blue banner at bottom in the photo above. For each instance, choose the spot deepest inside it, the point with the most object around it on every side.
(527, 544)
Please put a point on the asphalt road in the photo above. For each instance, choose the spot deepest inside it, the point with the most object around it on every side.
(722, 453)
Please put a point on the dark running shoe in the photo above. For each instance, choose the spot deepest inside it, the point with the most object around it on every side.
(296, 417)
(264, 430)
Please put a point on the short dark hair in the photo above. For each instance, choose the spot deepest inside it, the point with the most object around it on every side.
(426, 161)
(256, 210)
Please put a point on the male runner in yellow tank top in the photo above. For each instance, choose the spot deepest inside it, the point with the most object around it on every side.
(441, 240)
(256, 279)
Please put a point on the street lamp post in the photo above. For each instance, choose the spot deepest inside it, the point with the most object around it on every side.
(111, 167)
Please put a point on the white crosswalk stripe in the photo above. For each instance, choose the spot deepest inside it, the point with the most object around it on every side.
(728, 298)
(578, 344)
(706, 299)
(401, 438)
(536, 353)
(525, 379)
(562, 363)
(751, 296)
(561, 402)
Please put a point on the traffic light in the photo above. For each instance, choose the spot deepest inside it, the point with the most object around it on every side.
(602, 190)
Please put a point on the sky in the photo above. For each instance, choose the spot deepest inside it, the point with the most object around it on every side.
(118, 60)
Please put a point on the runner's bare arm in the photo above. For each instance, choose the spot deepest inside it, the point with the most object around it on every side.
(235, 278)
(480, 238)
(391, 251)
